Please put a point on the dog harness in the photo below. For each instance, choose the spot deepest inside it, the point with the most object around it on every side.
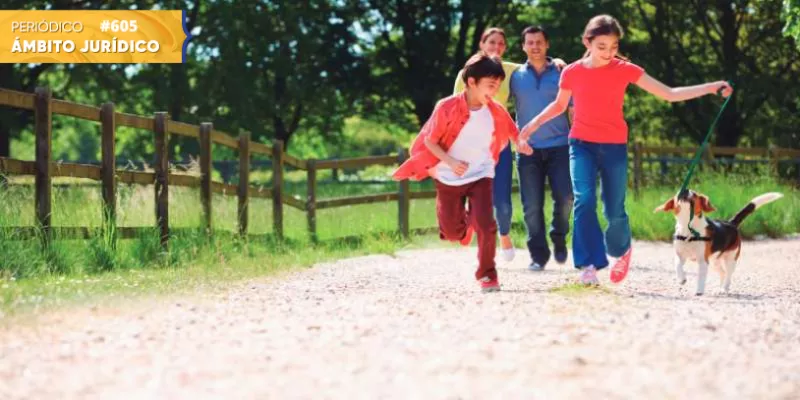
(695, 234)
(692, 238)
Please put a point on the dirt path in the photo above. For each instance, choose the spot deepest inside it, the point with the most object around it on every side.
(415, 326)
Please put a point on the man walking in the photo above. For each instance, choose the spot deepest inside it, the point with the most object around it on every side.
(533, 86)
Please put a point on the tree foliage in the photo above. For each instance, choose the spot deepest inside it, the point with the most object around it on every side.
(297, 71)
(791, 15)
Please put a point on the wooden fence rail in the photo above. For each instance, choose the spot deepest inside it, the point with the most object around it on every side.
(44, 169)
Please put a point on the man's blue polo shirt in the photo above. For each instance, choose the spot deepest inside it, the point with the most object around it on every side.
(532, 93)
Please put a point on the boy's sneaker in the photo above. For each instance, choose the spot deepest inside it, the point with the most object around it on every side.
(535, 267)
(467, 239)
(489, 285)
(620, 269)
(589, 276)
(560, 254)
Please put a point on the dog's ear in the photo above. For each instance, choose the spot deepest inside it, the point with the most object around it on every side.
(705, 204)
(668, 205)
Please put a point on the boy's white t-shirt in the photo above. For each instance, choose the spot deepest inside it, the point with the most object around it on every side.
(473, 147)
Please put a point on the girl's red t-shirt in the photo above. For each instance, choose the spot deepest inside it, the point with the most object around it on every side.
(598, 95)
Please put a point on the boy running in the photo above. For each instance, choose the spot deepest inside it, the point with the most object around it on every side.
(459, 147)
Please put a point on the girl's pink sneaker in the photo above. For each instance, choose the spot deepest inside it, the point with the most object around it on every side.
(620, 269)
(589, 276)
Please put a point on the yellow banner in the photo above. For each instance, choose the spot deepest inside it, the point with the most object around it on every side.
(93, 36)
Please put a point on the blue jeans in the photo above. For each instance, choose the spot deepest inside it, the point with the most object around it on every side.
(551, 164)
(610, 161)
(501, 191)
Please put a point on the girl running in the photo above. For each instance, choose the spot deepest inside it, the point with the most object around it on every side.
(598, 142)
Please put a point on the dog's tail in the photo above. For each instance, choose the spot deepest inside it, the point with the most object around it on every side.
(754, 205)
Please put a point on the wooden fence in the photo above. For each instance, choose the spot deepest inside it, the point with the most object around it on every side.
(772, 156)
(44, 169)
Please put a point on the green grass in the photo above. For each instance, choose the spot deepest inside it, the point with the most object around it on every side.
(71, 274)
(78, 270)
(578, 289)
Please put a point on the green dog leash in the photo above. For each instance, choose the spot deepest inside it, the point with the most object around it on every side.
(683, 192)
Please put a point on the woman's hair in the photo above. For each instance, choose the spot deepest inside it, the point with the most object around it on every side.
(602, 25)
(491, 31)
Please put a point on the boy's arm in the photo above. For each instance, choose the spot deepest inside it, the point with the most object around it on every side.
(432, 132)
(459, 167)
(439, 152)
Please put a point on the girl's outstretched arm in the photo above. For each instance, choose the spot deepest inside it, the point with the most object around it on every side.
(660, 90)
(554, 109)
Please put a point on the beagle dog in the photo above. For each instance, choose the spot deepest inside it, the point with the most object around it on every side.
(706, 240)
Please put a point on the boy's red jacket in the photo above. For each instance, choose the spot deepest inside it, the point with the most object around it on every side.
(443, 126)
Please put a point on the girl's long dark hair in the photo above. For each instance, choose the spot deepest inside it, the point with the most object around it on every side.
(603, 25)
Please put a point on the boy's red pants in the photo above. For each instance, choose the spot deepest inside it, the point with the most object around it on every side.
(453, 219)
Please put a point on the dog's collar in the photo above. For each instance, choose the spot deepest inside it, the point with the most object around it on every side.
(692, 238)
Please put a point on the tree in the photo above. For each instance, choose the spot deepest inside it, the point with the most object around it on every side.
(284, 67)
(25, 77)
(737, 40)
(791, 14)
(417, 48)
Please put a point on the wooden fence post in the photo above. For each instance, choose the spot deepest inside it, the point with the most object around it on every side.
(403, 199)
(244, 181)
(162, 176)
(277, 188)
(772, 155)
(637, 168)
(109, 169)
(43, 126)
(205, 171)
(311, 199)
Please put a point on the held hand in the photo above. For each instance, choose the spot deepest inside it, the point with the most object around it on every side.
(458, 167)
(722, 88)
(524, 148)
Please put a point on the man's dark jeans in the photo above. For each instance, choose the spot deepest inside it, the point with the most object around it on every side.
(551, 164)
